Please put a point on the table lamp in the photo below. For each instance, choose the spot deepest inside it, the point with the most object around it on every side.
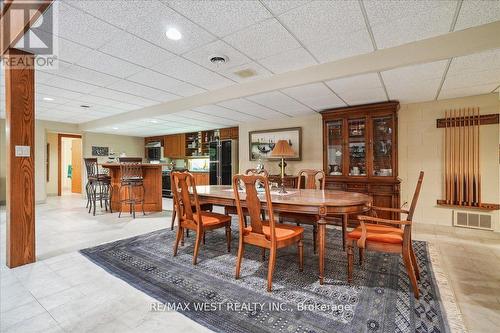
(282, 150)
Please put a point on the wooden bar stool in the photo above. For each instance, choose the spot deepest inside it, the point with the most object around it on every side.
(132, 180)
(98, 186)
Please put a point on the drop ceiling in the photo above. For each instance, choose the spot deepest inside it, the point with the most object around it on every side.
(114, 57)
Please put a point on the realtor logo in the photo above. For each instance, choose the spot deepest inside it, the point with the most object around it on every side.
(40, 39)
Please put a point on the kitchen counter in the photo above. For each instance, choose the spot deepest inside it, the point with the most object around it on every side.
(152, 187)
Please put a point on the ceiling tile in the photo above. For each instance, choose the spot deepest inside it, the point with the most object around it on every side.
(154, 79)
(226, 113)
(202, 55)
(466, 91)
(317, 96)
(259, 72)
(278, 7)
(135, 50)
(69, 84)
(263, 39)
(360, 89)
(107, 64)
(123, 97)
(154, 21)
(186, 89)
(398, 22)
(185, 70)
(288, 61)
(249, 107)
(221, 17)
(342, 46)
(82, 28)
(280, 102)
(414, 83)
(57, 92)
(477, 12)
(193, 115)
(320, 20)
(142, 91)
(88, 76)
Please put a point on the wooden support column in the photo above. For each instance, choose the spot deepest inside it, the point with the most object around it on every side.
(20, 126)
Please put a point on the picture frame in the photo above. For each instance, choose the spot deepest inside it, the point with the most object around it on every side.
(100, 151)
(261, 143)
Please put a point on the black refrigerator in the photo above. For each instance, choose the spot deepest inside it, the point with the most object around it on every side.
(223, 161)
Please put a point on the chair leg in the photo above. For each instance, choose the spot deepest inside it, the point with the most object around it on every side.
(228, 237)
(88, 196)
(110, 196)
(270, 271)
(197, 246)
(315, 237)
(263, 254)
(414, 263)
(100, 194)
(350, 259)
(203, 238)
(120, 200)
(174, 213)
(142, 199)
(361, 256)
(245, 220)
(94, 197)
(301, 255)
(411, 272)
(178, 239)
(241, 250)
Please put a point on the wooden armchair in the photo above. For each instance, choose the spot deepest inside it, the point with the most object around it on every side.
(199, 221)
(314, 179)
(231, 210)
(385, 235)
(265, 234)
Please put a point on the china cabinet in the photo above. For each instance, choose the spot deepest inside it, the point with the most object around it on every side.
(360, 151)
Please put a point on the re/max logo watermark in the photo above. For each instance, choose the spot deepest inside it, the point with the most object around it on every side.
(40, 39)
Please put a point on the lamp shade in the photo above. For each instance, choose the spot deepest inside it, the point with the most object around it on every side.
(282, 149)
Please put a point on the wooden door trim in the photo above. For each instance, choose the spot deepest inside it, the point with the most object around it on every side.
(59, 155)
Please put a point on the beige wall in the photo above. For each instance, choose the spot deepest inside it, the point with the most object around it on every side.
(312, 143)
(53, 160)
(420, 148)
(130, 145)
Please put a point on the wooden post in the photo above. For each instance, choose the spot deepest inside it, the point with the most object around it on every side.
(20, 125)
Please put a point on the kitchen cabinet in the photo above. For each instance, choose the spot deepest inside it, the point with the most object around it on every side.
(229, 133)
(174, 146)
(201, 178)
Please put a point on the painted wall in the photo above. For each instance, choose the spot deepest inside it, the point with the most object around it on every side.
(312, 143)
(420, 148)
(51, 186)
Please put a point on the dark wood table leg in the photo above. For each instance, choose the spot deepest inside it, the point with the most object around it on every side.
(345, 217)
(322, 243)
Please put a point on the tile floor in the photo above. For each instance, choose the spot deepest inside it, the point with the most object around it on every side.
(64, 292)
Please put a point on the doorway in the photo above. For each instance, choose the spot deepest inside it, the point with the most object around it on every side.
(70, 164)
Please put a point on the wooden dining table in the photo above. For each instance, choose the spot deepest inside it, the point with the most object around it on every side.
(323, 203)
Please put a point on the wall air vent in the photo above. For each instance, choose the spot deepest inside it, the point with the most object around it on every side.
(472, 220)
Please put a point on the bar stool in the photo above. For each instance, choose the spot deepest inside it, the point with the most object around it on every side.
(131, 179)
(98, 186)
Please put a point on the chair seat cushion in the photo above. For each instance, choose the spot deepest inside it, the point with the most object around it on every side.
(209, 218)
(283, 231)
(379, 233)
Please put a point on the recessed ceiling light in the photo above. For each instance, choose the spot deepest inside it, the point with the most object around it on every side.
(153, 121)
(115, 128)
(173, 34)
(218, 60)
(48, 99)
(85, 106)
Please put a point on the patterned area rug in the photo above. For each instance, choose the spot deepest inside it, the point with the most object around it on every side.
(379, 300)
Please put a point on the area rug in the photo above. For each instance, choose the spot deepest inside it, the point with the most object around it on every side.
(379, 299)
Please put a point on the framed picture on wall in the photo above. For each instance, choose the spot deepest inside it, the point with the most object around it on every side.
(100, 151)
(261, 143)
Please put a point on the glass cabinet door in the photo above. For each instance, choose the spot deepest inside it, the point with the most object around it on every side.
(383, 128)
(335, 150)
(357, 146)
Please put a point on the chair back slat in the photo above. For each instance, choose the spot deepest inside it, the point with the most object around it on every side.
(253, 203)
(181, 183)
(415, 197)
(314, 179)
(131, 171)
(91, 166)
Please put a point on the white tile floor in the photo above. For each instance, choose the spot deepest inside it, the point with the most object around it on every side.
(64, 292)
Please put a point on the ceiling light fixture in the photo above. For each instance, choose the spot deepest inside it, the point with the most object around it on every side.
(48, 99)
(115, 128)
(173, 34)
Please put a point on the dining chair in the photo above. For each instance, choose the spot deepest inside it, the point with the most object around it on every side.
(385, 235)
(231, 210)
(98, 187)
(186, 198)
(264, 234)
(314, 180)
